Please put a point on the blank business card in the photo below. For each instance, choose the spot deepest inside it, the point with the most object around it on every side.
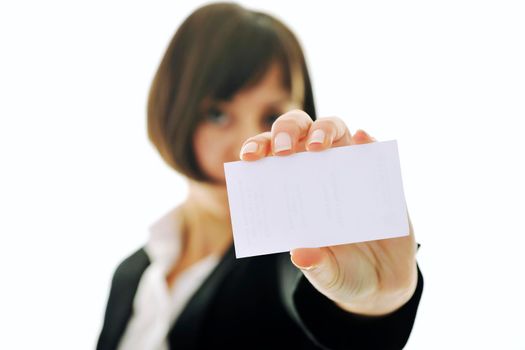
(313, 199)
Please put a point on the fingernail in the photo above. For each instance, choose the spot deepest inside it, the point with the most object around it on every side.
(283, 142)
(317, 136)
(305, 268)
(250, 147)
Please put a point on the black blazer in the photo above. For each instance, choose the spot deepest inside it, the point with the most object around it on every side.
(261, 302)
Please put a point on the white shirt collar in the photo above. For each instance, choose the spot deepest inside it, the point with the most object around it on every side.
(164, 244)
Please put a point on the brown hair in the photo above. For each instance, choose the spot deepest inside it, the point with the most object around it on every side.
(218, 50)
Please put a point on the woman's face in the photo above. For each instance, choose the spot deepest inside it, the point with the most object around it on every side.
(219, 137)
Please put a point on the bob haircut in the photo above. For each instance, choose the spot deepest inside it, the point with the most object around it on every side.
(218, 50)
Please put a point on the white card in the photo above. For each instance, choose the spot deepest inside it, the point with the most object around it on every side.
(338, 196)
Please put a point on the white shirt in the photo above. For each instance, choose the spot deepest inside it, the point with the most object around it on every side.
(156, 307)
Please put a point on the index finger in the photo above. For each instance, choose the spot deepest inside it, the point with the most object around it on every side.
(289, 130)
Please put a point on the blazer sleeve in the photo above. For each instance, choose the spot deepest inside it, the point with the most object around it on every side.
(330, 327)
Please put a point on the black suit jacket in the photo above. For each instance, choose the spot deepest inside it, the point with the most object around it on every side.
(261, 302)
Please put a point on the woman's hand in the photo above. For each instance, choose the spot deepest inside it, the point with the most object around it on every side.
(370, 278)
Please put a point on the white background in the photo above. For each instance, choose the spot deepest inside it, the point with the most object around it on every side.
(80, 182)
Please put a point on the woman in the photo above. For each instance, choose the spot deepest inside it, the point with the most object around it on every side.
(234, 83)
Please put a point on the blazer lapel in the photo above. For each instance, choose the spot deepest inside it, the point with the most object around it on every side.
(185, 331)
(120, 302)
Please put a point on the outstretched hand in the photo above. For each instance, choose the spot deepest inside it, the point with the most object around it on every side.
(370, 278)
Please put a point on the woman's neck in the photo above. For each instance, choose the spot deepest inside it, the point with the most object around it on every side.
(206, 227)
(207, 220)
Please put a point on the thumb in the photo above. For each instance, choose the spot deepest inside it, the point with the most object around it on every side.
(319, 266)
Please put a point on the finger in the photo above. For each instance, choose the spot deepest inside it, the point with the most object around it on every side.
(328, 132)
(256, 147)
(288, 131)
(361, 137)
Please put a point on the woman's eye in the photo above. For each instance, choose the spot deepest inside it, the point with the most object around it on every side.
(216, 116)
